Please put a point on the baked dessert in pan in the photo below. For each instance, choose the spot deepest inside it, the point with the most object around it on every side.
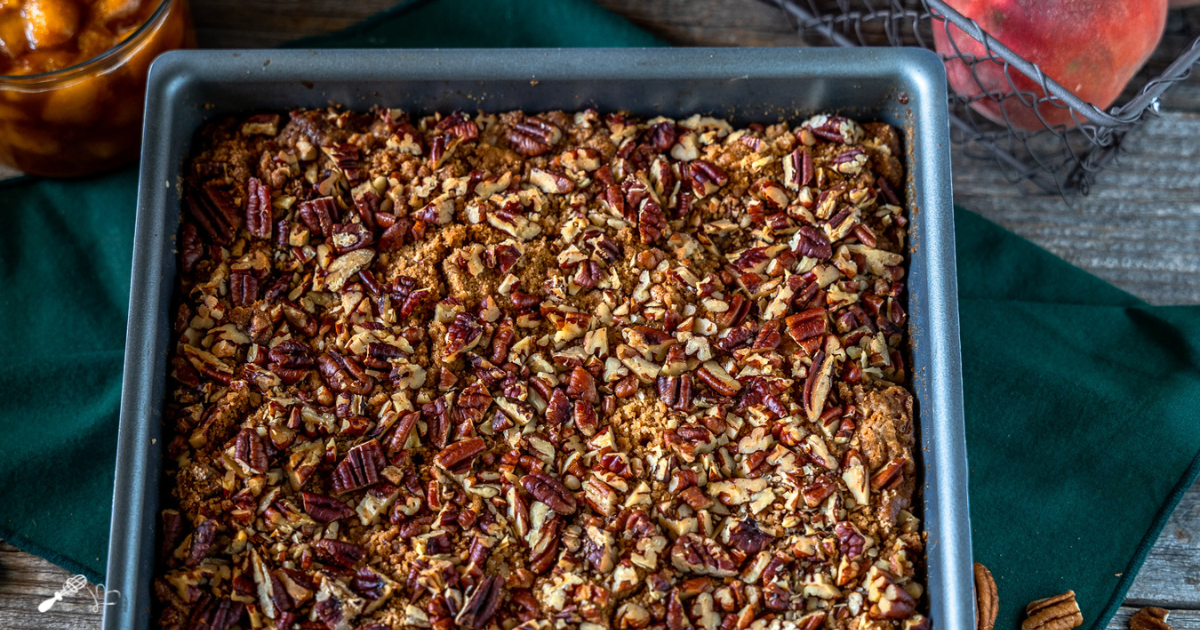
(540, 370)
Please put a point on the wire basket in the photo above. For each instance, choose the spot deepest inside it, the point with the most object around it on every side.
(1055, 157)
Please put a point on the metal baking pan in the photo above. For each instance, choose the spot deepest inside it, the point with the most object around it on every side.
(906, 88)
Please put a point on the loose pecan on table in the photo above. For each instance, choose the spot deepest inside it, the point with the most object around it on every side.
(1060, 612)
(987, 601)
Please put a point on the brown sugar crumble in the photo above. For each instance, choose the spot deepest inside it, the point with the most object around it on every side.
(540, 371)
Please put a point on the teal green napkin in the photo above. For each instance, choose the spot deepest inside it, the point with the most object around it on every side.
(1079, 397)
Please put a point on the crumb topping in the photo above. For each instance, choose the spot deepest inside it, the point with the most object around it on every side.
(540, 371)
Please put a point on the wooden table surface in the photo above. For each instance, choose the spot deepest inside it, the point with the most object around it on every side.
(1138, 229)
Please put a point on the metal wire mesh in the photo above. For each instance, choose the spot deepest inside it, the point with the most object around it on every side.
(1071, 140)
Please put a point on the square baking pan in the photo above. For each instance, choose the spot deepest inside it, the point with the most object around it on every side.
(903, 87)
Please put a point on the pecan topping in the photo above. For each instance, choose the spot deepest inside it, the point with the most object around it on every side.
(212, 613)
(202, 539)
(500, 370)
(1053, 613)
(249, 451)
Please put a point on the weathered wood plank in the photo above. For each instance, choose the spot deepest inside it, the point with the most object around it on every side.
(269, 23)
(1171, 575)
(1140, 226)
(692, 23)
(26, 581)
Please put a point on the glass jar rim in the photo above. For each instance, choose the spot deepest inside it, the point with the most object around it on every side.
(82, 68)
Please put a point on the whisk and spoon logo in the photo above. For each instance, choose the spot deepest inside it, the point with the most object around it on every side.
(75, 584)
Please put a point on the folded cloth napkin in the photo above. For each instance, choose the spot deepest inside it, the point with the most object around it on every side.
(1078, 395)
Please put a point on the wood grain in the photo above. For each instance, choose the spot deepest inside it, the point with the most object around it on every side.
(709, 23)
(1171, 575)
(269, 23)
(25, 582)
(1139, 229)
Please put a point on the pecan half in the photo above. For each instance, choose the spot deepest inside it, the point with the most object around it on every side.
(581, 384)
(319, 215)
(190, 247)
(348, 237)
(745, 536)
(172, 530)
(460, 452)
(258, 209)
(325, 509)
(360, 468)
(202, 539)
(243, 288)
(212, 613)
(987, 601)
(706, 177)
(834, 128)
(1060, 612)
(338, 552)
(798, 168)
(213, 211)
(533, 136)
(261, 124)
(344, 374)
(479, 609)
(1150, 618)
(550, 491)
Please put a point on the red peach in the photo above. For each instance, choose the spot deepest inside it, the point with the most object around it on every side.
(1092, 48)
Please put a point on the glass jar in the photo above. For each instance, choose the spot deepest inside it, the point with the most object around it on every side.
(87, 117)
